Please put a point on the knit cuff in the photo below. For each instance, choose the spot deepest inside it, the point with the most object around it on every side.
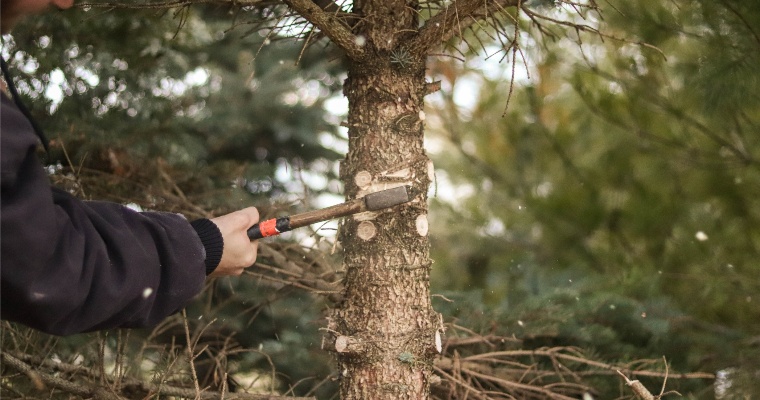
(212, 241)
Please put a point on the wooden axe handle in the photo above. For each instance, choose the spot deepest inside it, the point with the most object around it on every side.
(371, 202)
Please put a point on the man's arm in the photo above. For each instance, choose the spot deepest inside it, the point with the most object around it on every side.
(70, 266)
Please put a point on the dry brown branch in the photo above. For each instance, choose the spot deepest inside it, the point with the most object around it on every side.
(331, 26)
(544, 373)
(515, 45)
(24, 363)
(559, 353)
(470, 391)
(638, 388)
(547, 391)
(170, 4)
(91, 390)
(100, 185)
(642, 392)
(294, 267)
(190, 356)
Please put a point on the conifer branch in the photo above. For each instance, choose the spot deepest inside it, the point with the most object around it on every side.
(453, 20)
(330, 25)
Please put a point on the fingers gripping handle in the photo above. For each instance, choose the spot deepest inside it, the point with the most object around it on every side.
(270, 227)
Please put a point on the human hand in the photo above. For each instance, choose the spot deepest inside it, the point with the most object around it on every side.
(239, 251)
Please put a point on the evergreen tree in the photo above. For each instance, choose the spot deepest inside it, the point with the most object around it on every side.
(383, 329)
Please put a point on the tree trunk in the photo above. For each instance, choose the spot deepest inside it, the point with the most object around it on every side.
(386, 331)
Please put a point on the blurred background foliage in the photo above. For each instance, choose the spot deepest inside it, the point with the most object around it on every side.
(184, 89)
(613, 206)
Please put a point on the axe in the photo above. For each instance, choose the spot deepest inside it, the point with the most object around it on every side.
(371, 202)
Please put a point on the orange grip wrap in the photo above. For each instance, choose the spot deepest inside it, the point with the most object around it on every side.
(269, 228)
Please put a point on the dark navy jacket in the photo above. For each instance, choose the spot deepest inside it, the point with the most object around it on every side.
(72, 266)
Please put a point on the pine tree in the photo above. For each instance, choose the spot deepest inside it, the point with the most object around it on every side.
(384, 329)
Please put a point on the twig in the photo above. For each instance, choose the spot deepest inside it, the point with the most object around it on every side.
(555, 352)
(515, 46)
(15, 361)
(637, 388)
(58, 383)
(191, 355)
(586, 28)
(446, 24)
(166, 4)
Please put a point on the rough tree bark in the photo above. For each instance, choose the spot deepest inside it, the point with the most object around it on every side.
(385, 329)
(386, 332)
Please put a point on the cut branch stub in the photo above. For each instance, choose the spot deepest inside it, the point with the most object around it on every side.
(350, 345)
(363, 179)
(422, 225)
(366, 230)
(438, 341)
(638, 388)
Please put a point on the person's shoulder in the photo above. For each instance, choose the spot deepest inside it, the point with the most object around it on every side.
(13, 119)
(6, 96)
(17, 134)
(8, 108)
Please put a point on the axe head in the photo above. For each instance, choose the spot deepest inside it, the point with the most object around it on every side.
(387, 198)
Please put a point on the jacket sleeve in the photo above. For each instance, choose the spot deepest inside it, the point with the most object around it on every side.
(71, 266)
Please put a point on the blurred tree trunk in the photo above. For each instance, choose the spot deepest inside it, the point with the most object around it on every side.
(385, 328)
